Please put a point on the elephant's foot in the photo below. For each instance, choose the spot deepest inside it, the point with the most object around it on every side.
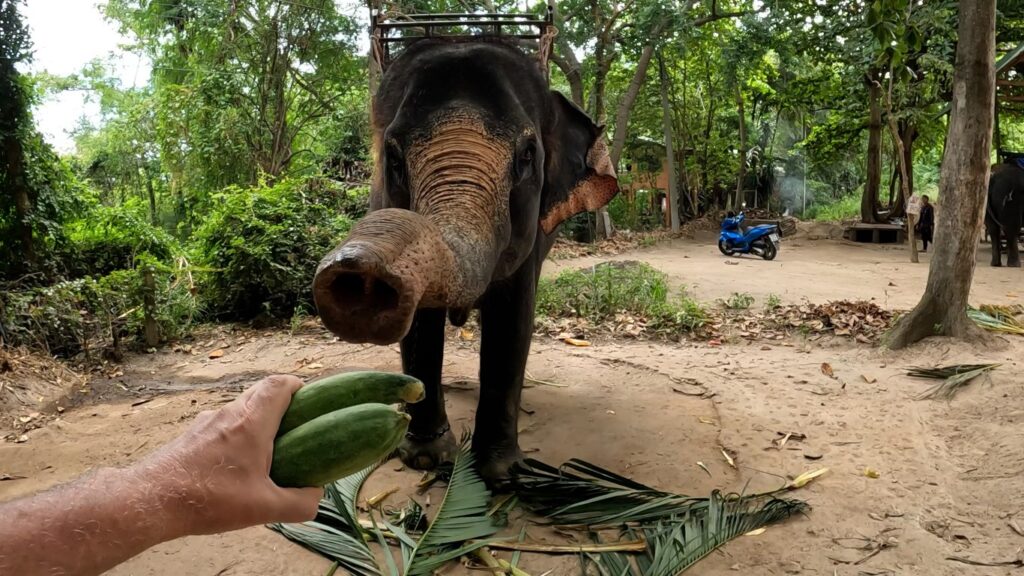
(494, 464)
(1014, 264)
(997, 263)
(423, 454)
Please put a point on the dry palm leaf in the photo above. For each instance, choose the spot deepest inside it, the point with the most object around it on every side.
(954, 378)
(997, 318)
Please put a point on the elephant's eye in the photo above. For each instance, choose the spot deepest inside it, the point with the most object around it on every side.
(524, 164)
(395, 164)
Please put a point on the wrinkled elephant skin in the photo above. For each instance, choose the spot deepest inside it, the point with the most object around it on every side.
(476, 164)
(1003, 214)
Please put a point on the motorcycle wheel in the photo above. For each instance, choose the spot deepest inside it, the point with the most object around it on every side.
(770, 250)
(723, 247)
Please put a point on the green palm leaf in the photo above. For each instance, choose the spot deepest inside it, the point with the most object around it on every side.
(336, 532)
(461, 524)
(585, 494)
(676, 544)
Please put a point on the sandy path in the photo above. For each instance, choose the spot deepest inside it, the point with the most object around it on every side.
(817, 270)
(951, 474)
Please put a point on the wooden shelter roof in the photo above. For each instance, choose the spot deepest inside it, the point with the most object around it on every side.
(1010, 81)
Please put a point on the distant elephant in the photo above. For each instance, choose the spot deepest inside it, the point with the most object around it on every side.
(477, 163)
(1003, 215)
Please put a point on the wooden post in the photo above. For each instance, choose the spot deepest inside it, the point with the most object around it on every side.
(150, 327)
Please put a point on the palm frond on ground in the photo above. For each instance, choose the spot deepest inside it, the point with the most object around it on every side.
(460, 526)
(581, 493)
(677, 543)
(667, 532)
(336, 533)
(998, 318)
(954, 378)
(462, 523)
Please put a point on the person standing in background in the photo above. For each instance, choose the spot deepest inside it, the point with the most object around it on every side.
(926, 222)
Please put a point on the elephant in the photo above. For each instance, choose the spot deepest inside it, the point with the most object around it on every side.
(1003, 215)
(476, 164)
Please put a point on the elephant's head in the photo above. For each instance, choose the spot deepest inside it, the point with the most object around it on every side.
(474, 159)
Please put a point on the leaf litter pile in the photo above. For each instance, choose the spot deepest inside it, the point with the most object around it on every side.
(862, 321)
(633, 529)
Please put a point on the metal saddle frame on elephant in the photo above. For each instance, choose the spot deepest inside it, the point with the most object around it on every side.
(392, 33)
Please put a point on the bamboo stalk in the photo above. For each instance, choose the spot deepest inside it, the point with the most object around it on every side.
(512, 569)
(484, 555)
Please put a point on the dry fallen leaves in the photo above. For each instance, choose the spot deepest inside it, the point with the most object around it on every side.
(214, 354)
(576, 342)
(805, 478)
(728, 458)
(871, 473)
(826, 369)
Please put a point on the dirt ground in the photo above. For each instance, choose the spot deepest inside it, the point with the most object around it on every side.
(950, 474)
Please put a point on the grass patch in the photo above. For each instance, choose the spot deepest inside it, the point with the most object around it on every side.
(599, 293)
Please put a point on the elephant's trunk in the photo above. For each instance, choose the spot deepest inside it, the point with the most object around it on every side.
(439, 254)
(368, 288)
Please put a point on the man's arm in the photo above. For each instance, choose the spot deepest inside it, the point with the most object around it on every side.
(213, 478)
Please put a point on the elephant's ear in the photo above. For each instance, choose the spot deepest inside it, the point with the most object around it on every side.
(578, 175)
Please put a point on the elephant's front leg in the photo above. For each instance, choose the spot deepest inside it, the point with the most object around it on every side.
(506, 315)
(429, 441)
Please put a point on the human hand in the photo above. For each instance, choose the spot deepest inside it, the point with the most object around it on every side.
(216, 476)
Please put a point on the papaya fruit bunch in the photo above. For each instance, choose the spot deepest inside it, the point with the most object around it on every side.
(341, 424)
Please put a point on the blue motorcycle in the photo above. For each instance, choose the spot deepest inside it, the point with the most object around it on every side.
(760, 240)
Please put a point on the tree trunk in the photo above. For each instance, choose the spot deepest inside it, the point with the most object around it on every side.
(741, 173)
(964, 184)
(901, 161)
(152, 199)
(15, 166)
(670, 157)
(869, 200)
(629, 98)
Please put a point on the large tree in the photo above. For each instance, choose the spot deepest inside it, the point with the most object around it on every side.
(964, 182)
(15, 124)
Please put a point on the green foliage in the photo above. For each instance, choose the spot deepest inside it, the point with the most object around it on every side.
(112, 238)
(90, 314)
(261, 245)
(843, 208)
(772, 303)
(634, 212)
(597, 294)
(738, 301)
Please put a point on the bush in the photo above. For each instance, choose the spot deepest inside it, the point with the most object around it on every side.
(636, 214)
(599, 293)
(113, 238)
(88, 314)
(843, 208)
(260, 247)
